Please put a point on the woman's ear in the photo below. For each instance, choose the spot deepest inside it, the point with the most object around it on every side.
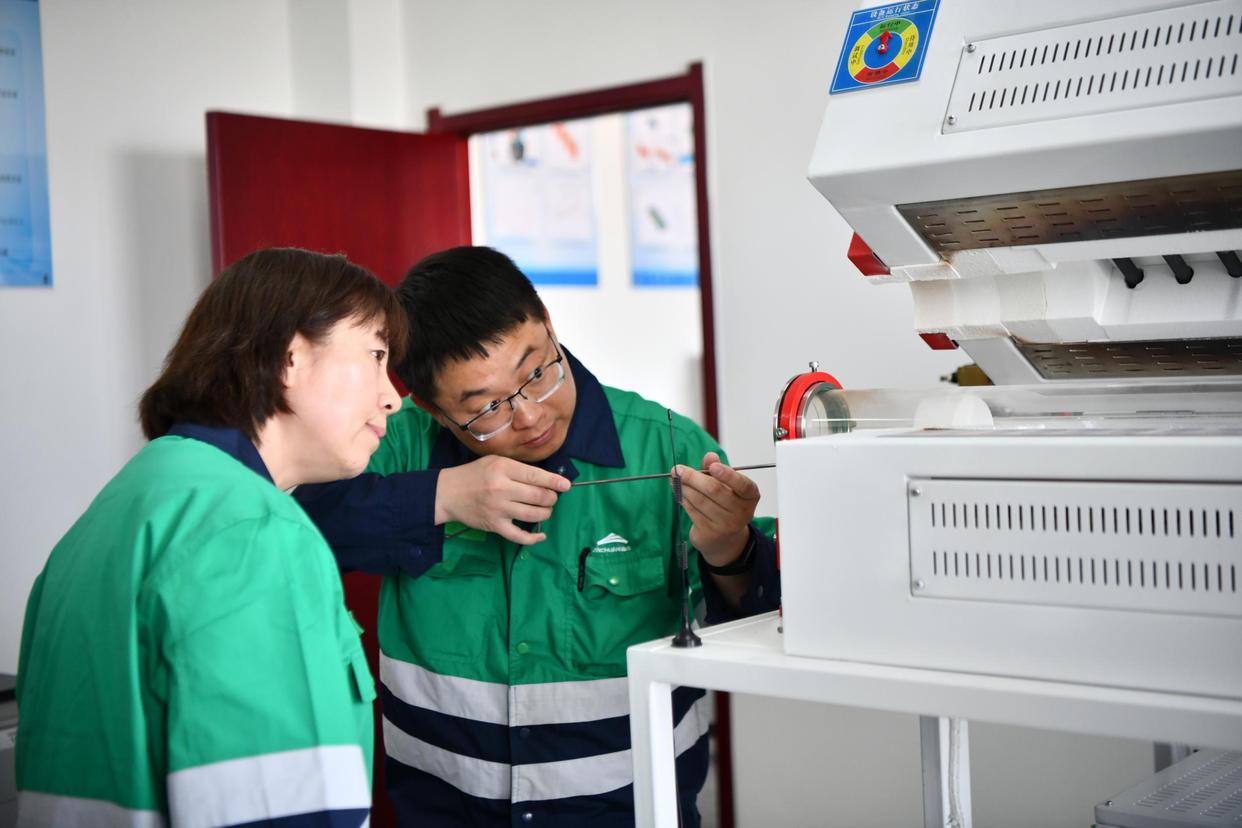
(297, 358)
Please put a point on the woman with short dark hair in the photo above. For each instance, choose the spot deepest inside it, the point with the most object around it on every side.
(186, 654)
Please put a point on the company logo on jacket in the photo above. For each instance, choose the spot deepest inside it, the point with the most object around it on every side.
(612, 542)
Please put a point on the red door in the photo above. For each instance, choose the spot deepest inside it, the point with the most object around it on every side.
(384, 199)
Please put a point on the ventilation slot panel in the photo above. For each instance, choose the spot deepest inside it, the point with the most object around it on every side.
(1203, 789)
(1174, 547)
(1128, 62)
(1089, 212)
(1155, 358)
(1182, 785)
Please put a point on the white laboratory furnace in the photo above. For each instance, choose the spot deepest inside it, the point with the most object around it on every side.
(1061, 191)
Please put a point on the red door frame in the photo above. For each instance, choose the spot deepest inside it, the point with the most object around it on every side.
(683, 88)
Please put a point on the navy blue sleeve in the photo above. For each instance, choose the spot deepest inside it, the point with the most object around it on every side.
(762, 595)
(381, 524)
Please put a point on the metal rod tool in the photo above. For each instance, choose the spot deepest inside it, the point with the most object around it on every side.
(656, 476)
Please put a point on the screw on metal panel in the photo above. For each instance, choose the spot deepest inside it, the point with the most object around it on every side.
(915, 492)
(919, 585)
(952, 119)
(970, 47)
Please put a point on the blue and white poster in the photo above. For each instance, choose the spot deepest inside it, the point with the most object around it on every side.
(885, 45)
(539, 202)
(25, 238)
(664, 230)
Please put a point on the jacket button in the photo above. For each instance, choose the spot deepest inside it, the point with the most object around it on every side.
(522, 648)
(614, 580)
(523, 556)
(527, 817)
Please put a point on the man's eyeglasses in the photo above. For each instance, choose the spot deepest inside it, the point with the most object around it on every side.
(497, 415)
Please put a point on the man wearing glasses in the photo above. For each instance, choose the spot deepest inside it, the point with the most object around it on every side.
(511, 598)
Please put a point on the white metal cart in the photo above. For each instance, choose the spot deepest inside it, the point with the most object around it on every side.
(747, 657)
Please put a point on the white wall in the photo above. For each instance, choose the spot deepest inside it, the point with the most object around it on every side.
(126, 87)
(127, 83)
(785, 294)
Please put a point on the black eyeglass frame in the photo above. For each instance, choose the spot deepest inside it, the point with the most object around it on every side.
(496, 404)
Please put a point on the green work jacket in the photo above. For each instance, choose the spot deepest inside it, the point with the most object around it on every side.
(502, 666)
(187, 656)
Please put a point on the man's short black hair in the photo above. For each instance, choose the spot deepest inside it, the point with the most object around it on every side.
(458, 302)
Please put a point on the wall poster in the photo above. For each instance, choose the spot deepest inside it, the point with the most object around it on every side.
(540, 201)
(664, 231)
(25, 237)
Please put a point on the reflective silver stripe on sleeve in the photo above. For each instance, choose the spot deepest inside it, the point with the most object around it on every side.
(593, 775)
(477, 777)
(565, 702)
(324, 778)
(480, 701)
(43, 810)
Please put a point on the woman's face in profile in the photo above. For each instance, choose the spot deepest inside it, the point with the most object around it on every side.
(340, 397)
